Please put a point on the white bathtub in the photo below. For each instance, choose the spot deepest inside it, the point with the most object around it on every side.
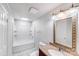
(23, 47)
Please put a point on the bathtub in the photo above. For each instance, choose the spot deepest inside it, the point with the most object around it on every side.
(23, 47)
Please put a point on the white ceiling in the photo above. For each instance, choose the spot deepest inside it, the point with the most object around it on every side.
(21, 9)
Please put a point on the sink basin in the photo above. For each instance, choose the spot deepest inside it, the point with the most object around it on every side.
(67, 54)
(55, 53)
(41, 43)
(58, 53)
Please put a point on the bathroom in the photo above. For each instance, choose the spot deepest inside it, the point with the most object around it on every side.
(39, 29)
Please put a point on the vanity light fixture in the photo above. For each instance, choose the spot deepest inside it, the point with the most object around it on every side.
(61, 15)
(25, 19)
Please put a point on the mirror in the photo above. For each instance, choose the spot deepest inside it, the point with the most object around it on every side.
(65, 33)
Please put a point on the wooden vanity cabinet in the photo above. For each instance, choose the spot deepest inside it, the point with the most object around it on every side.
(41, 53)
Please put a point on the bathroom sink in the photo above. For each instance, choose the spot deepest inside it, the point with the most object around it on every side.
(52, 52)
(58, 53)
(42, 43)
(67, 54)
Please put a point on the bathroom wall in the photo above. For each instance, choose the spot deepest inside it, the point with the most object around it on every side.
(22, 30)
(43, 29)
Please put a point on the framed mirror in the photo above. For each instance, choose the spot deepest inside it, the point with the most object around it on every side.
(65, 33)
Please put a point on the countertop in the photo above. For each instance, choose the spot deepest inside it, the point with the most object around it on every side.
(45, 49)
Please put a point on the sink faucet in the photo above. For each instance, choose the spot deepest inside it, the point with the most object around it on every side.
(61, 50)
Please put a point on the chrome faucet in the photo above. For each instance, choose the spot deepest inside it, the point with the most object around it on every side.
(61, 50)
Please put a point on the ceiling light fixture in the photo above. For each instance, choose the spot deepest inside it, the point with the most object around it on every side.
(33, 10)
